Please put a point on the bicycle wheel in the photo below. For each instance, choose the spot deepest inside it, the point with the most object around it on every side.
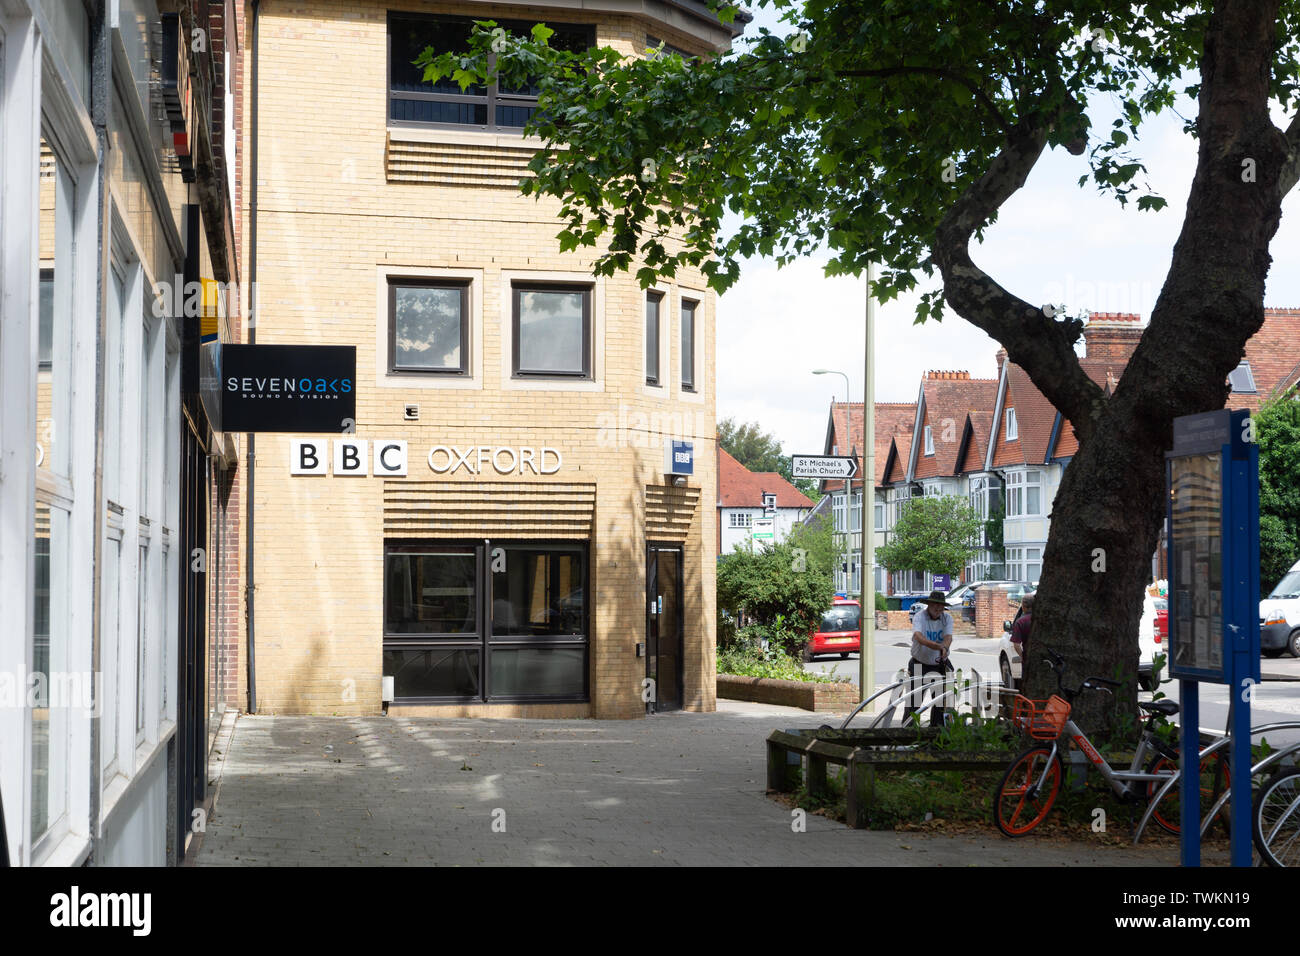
(1214, 779)
(1017, 806)
(1276, 819)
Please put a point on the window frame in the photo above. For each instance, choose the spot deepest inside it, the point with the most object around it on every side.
(1013, 427)
(929, 440)
(490, 99)
(482, 641)
(394, 282)
(588, 291)
(688, 368)
(654, 380)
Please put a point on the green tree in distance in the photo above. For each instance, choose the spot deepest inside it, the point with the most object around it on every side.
(791, 580)
(758, 450)
(895, 132)
(1277, 429)
(935, 534)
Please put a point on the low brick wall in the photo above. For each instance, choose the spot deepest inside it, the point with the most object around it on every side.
(899, 620)
(808, 695)
(992, 607)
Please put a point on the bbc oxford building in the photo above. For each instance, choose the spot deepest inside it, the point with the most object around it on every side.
(497, 533)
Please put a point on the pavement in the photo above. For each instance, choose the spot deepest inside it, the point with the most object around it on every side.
(672, 790)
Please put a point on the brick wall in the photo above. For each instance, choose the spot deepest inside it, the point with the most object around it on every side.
(992, 607)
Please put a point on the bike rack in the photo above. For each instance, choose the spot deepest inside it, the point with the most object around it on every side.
(983, 696)
(1219, 744)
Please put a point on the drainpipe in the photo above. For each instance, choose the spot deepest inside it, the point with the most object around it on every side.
(249, 586)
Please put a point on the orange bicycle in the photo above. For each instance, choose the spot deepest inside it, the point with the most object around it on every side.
(1028, 789)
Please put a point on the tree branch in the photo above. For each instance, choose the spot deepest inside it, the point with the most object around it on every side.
(1290, 173)
(1040, 345)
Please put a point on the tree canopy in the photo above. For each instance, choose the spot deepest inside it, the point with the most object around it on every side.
(791, 580)
(893, 132)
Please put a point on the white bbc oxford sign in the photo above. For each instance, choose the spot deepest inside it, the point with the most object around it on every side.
(823, 466)
(360, 457)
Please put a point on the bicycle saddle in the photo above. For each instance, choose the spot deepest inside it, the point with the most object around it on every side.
(1166, 707)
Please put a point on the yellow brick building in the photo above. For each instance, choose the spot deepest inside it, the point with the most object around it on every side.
(535, 558)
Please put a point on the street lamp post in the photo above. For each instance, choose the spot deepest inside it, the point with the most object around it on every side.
(848, 482)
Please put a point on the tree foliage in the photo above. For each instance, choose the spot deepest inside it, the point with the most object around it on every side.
(894, 132)
(935, 534)
(1277, 429)
(758, 450)
(791, 580)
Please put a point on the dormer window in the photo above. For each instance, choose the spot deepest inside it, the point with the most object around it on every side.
(1241, 379)
(769, 505)
(929, 440)
(1012, 431)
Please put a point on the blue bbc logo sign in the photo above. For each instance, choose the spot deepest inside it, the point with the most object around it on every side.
(679, 457)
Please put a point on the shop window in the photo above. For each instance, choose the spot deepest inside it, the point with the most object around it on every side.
(653, 302)
(552, 331)
(491, 106)
(688, 345)
(431, 592)
(486, 621)
(428, 326)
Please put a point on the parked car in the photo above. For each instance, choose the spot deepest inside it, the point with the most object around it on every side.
(1279, 617)
(1150, 643)
(840, 631)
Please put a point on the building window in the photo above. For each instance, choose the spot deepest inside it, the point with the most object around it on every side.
(1241, 379)
(837, 510)
(769, 506)
(741, 519)
(552, 331)
(880, 516)
(1033, 563)
(653, 301)
(1012, 431)
(855, 512)
(486, 621)
(656, 48)
(688, 345)
(1033, 493)
(1015, 493)
(413, 102)
(929, 440)
(428, 326)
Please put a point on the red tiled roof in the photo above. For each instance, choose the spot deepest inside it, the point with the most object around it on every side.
(900, 446)
(980, 426)
(949, 398)
(1274, 356)
(891, 418)
(738, 487)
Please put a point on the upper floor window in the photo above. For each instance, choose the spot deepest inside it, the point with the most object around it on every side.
(491, 106)
(1012, 431)
(1024, 494)
(428, 326)
(688, 345)
(1241, 379)
(653, 302)
(929, 440)
(769, 505)
(552, 330)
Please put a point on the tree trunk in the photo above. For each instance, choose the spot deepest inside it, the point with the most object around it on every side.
(1111, 500)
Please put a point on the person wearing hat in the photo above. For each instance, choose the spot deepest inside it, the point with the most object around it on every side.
(931, 641)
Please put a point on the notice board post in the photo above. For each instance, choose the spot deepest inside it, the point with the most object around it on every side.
(1212, 520)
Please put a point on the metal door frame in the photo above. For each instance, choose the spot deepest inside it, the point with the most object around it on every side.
(652, 548)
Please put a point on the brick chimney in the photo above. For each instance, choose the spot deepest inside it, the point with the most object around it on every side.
(1000, 356)
(1112, 335)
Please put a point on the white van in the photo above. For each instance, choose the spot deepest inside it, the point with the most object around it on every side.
(1279, 617)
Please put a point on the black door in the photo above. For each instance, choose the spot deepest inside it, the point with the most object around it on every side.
(664, 627)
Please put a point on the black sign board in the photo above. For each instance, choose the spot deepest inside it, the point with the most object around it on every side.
(288, 388)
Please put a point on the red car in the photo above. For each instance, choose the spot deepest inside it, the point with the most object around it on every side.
(839, 631)
(1162, 621)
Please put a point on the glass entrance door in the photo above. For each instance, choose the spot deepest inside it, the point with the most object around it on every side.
(664, 627)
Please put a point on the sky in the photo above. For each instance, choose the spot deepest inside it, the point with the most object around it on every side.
(1054, 242)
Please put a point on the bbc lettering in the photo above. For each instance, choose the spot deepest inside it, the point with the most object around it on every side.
(351, 457)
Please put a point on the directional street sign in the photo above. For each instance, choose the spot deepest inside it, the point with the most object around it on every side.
(823, 466)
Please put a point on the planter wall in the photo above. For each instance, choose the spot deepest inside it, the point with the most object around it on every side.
(788, 693)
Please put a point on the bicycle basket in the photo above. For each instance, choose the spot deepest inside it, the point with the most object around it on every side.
(1041, 719)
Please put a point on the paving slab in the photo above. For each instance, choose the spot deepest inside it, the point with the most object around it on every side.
(672, 790)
